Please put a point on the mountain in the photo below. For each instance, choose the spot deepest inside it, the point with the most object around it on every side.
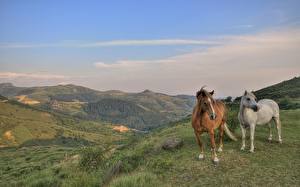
(143, 111)
(8, 89)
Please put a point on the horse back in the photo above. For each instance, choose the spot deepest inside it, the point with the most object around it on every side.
(268, 106)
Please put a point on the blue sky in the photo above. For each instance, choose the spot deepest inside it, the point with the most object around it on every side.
(51, 42)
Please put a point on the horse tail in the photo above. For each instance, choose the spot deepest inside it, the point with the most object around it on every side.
(229, 133)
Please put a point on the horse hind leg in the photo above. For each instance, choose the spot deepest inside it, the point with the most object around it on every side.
(270, 132)
(278, 126)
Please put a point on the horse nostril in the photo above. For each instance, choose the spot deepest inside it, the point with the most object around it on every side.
(255, 108)
(213, 116)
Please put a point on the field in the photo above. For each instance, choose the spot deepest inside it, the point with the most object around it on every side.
(144, 163)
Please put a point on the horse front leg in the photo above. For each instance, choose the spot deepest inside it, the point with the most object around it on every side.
(221, 134)
(243, 137)
(197, 134)
(213, 147)
(252, 130)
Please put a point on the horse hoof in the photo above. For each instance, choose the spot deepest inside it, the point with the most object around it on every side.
(251, 151)
(220, 149)
(270, 140)
(216, 161)
(242, 148)
(201, 157)
(280, 141)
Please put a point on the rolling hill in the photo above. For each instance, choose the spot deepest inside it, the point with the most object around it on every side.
(143, 111)
(289, 88)
(286, 93)
(23, 125)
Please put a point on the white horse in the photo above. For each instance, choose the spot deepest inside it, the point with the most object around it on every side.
(254, 113)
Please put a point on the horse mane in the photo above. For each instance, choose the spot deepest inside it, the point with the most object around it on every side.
(251, 94)
(204, 92)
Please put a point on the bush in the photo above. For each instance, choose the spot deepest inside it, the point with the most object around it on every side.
(91, 158)
(287, 104)
(232, 118)
(160, 165)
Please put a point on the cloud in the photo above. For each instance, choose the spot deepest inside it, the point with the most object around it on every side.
(243, 26)
(32, 79)
(131, 64)
(12, 75)
(113, 43)
(244, 62)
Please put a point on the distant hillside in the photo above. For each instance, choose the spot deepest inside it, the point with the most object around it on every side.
(22, 125)
(8, 89)
(289, 88)
(125, 112)
(2, 98)
(286, 93)
(144, 110)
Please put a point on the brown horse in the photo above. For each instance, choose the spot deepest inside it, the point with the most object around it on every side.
(208, 115)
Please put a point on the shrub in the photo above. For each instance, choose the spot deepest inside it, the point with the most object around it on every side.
(232, 118)
(160, 165)
(91, 158)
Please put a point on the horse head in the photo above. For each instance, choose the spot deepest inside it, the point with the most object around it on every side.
(205, 102)
(248, 100)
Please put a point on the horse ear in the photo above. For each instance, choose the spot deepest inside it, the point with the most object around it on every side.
(212, 92)
(245, 93)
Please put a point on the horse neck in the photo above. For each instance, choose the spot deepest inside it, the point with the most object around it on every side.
(199, 113)
(242, 111)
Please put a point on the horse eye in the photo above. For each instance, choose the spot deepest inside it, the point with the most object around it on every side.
(248, 99)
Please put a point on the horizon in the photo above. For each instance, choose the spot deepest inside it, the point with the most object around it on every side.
(220, 97)
(133, 46)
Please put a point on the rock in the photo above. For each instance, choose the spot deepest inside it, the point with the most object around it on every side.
(172, 143)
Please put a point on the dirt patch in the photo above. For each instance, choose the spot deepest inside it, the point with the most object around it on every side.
(9, 136)
(121, 128)
(25, 100)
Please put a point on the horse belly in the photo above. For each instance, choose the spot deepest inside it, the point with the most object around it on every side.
(264, 115)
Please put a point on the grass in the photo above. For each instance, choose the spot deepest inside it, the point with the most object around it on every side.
(272, 164)
(144, 163)
(27, 126)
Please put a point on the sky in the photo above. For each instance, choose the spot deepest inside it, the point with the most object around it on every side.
(173, 47)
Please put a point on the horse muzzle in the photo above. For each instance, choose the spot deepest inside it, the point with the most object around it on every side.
(255, 108)
(213, 116)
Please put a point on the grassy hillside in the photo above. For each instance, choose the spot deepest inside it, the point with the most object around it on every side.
(286, 93)
(271, 164)
(145, 163)
(289, 88)
(146, 110)
(22, 125)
